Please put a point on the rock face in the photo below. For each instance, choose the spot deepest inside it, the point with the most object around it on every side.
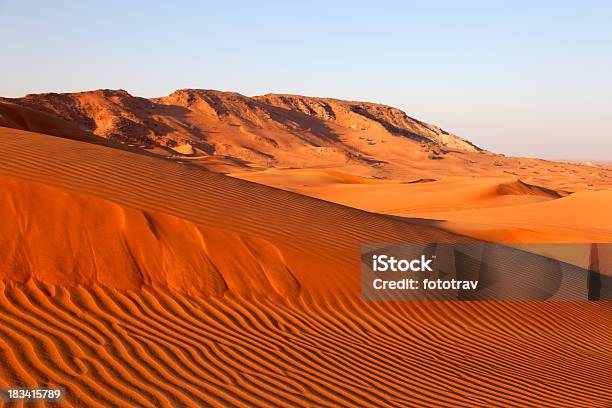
(363, 115)
(264, 131)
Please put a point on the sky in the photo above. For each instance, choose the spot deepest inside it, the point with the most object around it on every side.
(529, 78)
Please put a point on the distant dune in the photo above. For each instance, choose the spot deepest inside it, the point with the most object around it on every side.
(488, 208)
(133, 275)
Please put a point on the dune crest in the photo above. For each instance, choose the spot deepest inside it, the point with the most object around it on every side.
(89, 211)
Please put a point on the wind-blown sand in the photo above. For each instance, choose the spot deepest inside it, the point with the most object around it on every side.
(138, 281)
(489, 208)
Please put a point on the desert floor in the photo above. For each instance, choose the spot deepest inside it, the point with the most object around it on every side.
(135, 280)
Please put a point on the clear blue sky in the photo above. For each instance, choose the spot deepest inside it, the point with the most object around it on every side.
(523, 78)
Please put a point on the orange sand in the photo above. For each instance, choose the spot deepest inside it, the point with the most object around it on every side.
(488, 208)
(135, 280)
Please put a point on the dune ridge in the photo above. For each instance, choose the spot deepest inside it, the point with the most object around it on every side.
(205, 212)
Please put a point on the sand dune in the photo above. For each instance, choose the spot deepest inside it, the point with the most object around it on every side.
(488, 208)
(134, 280)
(581, 217)
(406, 198)
(229, 213)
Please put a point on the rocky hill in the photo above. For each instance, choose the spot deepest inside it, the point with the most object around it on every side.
(264, 131)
